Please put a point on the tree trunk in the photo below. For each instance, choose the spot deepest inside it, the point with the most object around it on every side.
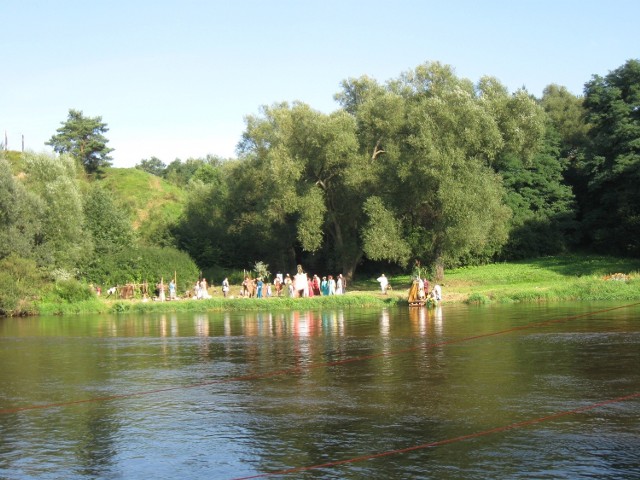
(292, 262)
(349, 265)
(439, 267)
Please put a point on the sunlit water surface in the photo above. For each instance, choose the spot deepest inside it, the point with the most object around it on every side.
(398, 393)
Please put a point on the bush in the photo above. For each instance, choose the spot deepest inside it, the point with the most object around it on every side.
(20, 285)
(478, 299)
(72, 291)
(138, 264)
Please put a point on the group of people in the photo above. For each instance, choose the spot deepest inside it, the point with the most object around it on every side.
(422, 288)
(298, 286)
(423, 292)
(200, 290)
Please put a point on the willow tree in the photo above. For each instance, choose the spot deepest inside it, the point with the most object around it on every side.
(20, 214)
(431, 142)
(301, 161)
(62, 241)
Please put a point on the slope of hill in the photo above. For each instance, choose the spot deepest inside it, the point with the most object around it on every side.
(150, 201)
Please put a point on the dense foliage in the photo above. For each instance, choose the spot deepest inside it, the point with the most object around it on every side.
(427, 169)
(612, 166)
(21, 283)
(60, 232)
(143, 264)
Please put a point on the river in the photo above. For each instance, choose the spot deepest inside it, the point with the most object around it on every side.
(504, 391)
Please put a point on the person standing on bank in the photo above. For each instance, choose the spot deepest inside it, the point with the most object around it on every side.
(384, 283)
(300, 283)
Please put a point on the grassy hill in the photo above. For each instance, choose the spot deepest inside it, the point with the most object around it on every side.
(150, 201)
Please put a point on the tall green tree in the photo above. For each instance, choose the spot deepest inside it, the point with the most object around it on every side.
(110, 228)
(429, 142)
(532, 167)
(201, 229)
(62, 242)
(19, 215)
(568, 125)
(613, 159)
(567, 114)
(83, 138)
(302, 159)
(543, 205)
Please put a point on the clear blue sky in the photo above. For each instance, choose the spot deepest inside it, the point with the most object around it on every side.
(175, 79)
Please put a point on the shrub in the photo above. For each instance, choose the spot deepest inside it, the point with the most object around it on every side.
(20, 285)
(72, 291)
(478, 299)
(138, 264)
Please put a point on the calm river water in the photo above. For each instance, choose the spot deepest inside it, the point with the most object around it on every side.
(515, 391)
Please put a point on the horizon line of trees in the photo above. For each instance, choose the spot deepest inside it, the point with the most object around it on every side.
(427, 167)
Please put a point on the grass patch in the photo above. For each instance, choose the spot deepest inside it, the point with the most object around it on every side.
(76, 308)
(146, 197)
(568, 277)
(229, 304)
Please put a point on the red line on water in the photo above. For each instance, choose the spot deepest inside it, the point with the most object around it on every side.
(448, 441)
(300, 369)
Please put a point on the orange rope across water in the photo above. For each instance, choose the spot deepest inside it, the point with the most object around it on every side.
(438, 443)
(300, 369)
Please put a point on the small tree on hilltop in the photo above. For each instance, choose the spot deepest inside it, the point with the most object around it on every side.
(83, 138)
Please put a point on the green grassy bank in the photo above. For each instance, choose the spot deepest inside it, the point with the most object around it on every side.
(217, 303)
(561, 278)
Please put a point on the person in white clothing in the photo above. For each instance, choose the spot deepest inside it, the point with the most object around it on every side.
(437, 292)
(384, 283)
(301, 283)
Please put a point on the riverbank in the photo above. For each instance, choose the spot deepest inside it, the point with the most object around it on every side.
(560, 278)
(219, 303)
